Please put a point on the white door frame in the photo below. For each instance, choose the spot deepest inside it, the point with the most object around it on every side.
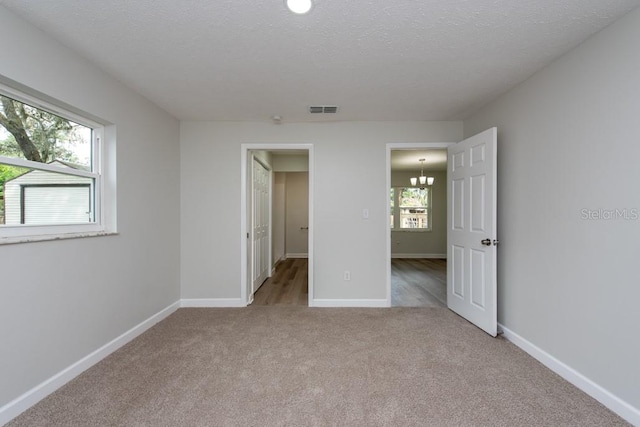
(245, 157)
(401, 146)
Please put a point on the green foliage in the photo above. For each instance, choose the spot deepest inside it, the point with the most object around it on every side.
(52, 135)
(9, 147)
(410, 197)
(9, 172)
(414, 197)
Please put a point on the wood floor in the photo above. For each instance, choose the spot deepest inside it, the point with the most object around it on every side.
(414, 283)
(288, 286)
(418, 282)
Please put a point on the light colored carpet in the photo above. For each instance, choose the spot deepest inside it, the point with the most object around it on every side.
(299, 366)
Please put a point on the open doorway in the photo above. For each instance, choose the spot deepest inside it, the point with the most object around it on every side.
(288, 245)
(288, 283)
(417, 235)
(471, 225)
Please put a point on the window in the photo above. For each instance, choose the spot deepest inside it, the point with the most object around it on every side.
(410, 208)
(50, 170)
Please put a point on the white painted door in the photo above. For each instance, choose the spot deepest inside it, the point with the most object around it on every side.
(260, 225)
(472, 229)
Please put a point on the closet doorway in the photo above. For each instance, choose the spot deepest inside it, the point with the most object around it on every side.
(277, 220)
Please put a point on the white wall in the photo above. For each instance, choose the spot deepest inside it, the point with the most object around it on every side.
(429, 243)
(278, 218)
(297, 214)
(350, 175)
(61, 300)
(568, 140)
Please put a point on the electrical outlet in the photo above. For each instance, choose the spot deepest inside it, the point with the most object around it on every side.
(347, 275)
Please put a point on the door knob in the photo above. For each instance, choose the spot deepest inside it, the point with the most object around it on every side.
(486, 242)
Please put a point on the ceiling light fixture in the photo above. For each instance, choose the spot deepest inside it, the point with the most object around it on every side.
(299, 7)
(422, 179)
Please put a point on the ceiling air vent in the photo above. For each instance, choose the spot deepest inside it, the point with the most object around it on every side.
(323, 109)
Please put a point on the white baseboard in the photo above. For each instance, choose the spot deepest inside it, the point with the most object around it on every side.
(608, 399)
(437, 256)
(42, 390)
(213, 302)
(295, 255)
(349, 303)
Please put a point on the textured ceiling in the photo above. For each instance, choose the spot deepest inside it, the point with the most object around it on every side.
(376, 59)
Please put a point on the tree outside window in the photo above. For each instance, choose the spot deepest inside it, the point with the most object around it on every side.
(410, 208)
(30, 136)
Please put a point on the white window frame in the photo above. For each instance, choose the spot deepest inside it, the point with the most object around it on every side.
(396, 211)
(104, 220)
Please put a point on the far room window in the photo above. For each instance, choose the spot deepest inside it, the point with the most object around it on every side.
(410, 208)
(50, 169)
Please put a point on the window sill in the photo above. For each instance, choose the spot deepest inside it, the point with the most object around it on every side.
(48, 237)
(411, 230)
